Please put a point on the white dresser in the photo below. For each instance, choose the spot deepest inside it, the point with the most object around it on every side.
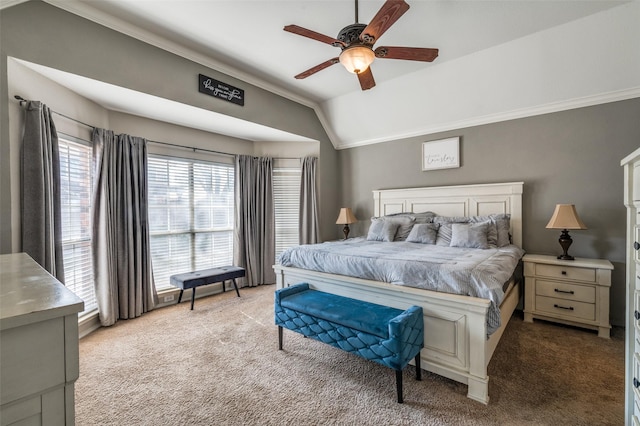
(631, 166)
(38, 345)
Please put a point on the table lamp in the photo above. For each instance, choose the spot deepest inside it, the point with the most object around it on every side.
(565, 217)
(345, 217)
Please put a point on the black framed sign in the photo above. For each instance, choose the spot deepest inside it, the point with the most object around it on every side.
(218, 89)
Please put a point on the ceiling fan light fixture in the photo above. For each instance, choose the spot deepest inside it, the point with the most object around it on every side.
(357, 59)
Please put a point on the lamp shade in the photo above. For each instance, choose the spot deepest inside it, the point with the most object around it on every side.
(565, 216)
(346, 217)
(357, 58)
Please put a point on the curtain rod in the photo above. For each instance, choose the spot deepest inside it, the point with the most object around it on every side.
(23, 100)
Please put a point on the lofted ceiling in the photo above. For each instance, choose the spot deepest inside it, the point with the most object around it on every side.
(475, 38)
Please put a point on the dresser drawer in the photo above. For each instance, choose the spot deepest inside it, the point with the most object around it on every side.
(636, 253)
(636, 309)
(635, 380)
(567, 291)
(566, 308)
(566, 272)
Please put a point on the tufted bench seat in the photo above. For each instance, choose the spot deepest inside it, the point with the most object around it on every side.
(388, 336)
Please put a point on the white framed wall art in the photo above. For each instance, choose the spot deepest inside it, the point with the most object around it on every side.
(441, 154)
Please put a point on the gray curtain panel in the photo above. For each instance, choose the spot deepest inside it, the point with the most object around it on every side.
(121, 252)
(41, 213)
(254, 236)
(309, 231)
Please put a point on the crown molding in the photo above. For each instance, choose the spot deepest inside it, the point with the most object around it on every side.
(85, 11)
(581, 102)
(8, 3)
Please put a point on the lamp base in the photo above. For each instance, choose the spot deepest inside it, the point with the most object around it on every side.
(565, 242)
(566, 257)
(346, 231)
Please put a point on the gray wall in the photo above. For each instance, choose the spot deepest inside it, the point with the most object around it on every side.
(40, 33)
(566, 157)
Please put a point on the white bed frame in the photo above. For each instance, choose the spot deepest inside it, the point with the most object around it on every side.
(456, 344)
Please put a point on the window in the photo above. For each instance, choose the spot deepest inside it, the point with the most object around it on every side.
(76, 183)
(286, 194)
(191, 215)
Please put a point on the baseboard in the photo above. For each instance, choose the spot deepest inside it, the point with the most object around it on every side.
(169, 297)
(88, 324)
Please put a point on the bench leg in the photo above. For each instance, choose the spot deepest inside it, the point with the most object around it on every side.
(193, 297)
(399, 385)
(236, 286)
(279, 337)
(180, 297)
(418, 369)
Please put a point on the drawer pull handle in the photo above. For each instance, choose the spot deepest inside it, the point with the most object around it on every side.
(570, 308)
(557, 290)
(636, 245)
(636, 383)
(564, 272)
(636, 315)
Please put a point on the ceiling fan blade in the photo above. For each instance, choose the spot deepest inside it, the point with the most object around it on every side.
(313, 35)
(388, 14)
(317, 68)
(408, 53)
(366, 79)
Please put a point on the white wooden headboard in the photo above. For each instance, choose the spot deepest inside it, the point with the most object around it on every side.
(459, 200)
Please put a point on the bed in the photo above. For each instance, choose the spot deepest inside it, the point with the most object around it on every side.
(458, 341)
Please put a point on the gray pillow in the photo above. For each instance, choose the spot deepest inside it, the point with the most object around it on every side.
(404, 221)
(424, 233)
(470, 235)
(503, 225)
(444, 234)
(424, 217)
(382, 230)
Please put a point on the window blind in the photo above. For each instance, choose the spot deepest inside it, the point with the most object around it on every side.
(191, 215)
(286, 194)
(76, 183)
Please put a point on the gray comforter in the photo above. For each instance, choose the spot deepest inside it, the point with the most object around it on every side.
(470, 272)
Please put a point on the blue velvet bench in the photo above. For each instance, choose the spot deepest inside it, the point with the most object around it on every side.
(206, 276)
(388, 336)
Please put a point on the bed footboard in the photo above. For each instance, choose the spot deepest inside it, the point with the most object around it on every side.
(455, 340)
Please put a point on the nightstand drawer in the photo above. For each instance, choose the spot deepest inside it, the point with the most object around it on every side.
(566, 308)
(567, 291)
(566, 272)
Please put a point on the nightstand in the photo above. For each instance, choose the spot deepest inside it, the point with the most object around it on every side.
(573, 292)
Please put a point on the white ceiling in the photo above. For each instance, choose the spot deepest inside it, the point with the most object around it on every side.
(245, 38)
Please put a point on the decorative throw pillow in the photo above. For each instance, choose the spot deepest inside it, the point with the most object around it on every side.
(470, 235)
(424, 233)
(382, 230)
(444, 234)
(404, 221)
(503, 225)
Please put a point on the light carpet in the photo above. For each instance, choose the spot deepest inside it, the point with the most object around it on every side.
(220, 365)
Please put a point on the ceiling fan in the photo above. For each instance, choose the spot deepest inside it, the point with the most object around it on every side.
(356, 42)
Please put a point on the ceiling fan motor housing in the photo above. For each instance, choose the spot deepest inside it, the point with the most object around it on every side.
(351, 34)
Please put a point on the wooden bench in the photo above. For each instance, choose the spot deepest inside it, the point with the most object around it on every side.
(206, 276)
(388, 336)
